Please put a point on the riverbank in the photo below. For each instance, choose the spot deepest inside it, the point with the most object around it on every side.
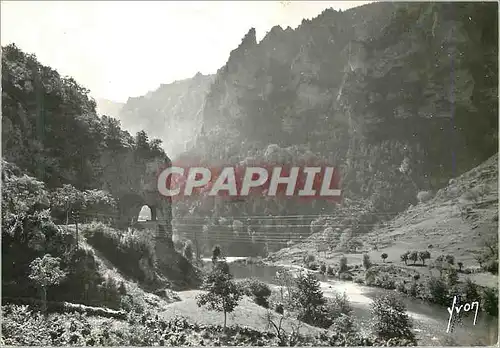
(430, 320)
(416, 282)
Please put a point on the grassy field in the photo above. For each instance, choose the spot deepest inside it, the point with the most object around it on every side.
(436, 225)
(247, 314)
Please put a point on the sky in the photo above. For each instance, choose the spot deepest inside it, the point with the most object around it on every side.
(122, 49)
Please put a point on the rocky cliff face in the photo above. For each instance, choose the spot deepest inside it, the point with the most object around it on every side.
(172, 113)
(376, 73)
(398, 95)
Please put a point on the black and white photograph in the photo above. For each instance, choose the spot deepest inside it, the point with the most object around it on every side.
(249, 173)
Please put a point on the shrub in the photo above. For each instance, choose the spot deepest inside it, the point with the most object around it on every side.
(257, 289)
(413, 289)
(400, 286)
(330, 271)
(490, 301)
(323, 268)
(126, 251)
(390, 319)
(366, 261)
(339, 304)
(343, 324)
(343, 264)
(438, 291)
(491, 266)
(370, 276)
(471, 291)
(279, 308)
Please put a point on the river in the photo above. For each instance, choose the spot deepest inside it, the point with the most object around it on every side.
(429, 321)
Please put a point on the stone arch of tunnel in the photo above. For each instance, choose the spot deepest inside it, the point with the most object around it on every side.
(130, 206)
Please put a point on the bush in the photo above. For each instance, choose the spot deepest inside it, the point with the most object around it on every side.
(400, 286)
(339, 304)
(438, 291)
(258, 290)
(279, 308)
(330, 271)
(471, 291)
(490, 301)
(323, 268)
(390, 319)
(126, 251)
(343, 324)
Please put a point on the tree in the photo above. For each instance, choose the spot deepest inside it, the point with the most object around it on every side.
(424, 255)
(67, 199)
(216, 253)
(384, 256)
(460, 266)
(390, 319)
(46, 272)
(413, 256)
(404, 257)
(311, 302)
(366, 261)
(222, 294)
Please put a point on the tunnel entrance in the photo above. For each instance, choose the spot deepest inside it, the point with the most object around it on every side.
(144, 214)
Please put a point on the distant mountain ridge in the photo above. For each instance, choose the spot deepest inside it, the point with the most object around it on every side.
(171, 113)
